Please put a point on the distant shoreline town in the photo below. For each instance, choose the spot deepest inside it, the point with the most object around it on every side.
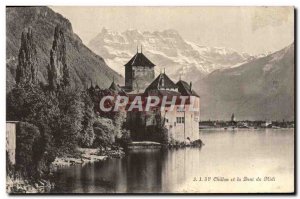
(245, 124)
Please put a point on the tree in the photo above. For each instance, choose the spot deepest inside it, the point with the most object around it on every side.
(58, 70)
(124, 139)
(27, 69)
(53, 120)
(27, 150)
(69, 123)
(87, 135)
(103, 128)
(31, 104)
(119, 120)
(58, 115)
(117, 117)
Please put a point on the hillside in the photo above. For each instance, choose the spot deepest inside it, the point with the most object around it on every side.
(260, 89)
(85, 66)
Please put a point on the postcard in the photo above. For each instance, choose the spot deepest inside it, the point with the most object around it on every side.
(151, 100)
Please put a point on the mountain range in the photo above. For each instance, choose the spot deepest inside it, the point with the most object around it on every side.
(167, 50)
(85, 66)
(260, 89)
(251, 86)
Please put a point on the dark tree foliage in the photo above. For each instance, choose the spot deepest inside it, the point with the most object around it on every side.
(58, 70)
(104, 128)
(69, 122)
(26, 72)
(87, 135)
(124, 139)
(55, 119)
(30, 104)
(27, 149)
(61, 117)
(105, 134)
(97, 96)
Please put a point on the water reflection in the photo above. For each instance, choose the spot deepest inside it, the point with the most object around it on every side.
(226, 153)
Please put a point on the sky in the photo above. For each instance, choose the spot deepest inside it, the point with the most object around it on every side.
(253, 30)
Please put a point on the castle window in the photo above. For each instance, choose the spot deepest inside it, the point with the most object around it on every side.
(162, 82)
(180, 120)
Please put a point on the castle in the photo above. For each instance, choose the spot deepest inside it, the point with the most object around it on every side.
(180, 119)
(182, 123)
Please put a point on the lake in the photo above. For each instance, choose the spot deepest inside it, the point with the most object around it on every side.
(243, 160)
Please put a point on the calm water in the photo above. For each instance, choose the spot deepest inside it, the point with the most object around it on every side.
(227, 153)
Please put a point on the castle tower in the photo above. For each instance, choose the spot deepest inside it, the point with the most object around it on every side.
(139, 72)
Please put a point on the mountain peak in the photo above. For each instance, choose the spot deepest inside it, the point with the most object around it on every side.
(167, 49)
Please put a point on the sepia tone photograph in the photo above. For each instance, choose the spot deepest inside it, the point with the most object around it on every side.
(150, 100)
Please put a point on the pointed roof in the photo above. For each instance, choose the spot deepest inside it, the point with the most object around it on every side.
(161, 81)
(91, 88)
(117, 89)
(114, 87)
(185, 89)
(97, 87)
(139, 59)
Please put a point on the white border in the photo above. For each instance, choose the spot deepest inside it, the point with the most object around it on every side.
(4, 3)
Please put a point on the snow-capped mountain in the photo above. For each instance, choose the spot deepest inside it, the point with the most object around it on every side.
(166, 49)
(253, 87)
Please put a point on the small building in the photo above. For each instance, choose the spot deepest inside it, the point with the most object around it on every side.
(266, 124)
(11, 128)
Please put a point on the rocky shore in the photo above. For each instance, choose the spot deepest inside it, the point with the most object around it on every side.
(88, 155)
(196, 143)
(17, 185)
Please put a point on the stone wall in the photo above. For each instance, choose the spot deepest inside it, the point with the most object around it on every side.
(142, 77)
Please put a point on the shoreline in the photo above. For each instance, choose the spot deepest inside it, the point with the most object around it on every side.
(21, 186)
(15, 185)
(88, 155)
